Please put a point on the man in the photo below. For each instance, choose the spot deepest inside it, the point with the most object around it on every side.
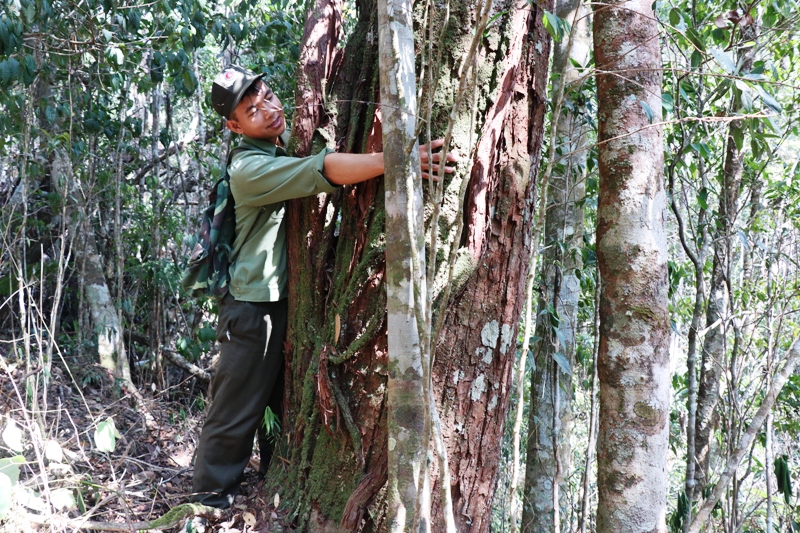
(252, 316)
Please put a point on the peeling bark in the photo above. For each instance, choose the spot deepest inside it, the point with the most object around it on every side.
(339, 270)
(475, 356)
(336, 273)
(633, 357)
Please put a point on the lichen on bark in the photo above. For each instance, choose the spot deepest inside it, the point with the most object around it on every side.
(633, 358)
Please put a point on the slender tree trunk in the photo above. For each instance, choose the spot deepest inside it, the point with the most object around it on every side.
(408, 505)
(110, 348)
(735, 458)
(515, 513)
(633, 357)
(550, 416)
(713, 354)
(590, 447)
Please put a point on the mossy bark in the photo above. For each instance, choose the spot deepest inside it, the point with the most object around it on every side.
(477, 348)
(336, 246)
(333, 464)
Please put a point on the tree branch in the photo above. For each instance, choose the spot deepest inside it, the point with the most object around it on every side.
(758, 421)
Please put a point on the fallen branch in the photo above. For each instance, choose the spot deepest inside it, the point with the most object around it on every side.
(174, 357)
(181, 362)
(173, 518)
(755, 425)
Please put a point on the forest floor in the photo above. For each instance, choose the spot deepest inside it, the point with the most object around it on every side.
(148, 473)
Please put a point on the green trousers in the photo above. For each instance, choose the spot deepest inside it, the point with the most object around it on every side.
(249, 378)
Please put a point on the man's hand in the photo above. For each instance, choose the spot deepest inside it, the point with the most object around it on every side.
(425, 160)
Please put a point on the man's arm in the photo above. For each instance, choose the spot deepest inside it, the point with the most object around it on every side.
(347, 169)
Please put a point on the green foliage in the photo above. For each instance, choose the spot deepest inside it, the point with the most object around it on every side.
(784, 476)
(9, 477)
(272, 424)
(556, 26)
(677, 517)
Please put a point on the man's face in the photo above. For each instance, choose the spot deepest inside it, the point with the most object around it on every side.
(259, 115)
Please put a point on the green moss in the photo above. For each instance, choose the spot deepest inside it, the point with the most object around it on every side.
(648, 413)
(643, 311)
(334, 475)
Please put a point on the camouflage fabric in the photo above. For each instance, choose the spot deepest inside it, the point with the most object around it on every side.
(207, 273)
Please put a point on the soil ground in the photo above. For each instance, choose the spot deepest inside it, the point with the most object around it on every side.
(148, 473)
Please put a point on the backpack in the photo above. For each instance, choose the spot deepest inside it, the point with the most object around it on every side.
(207, 272)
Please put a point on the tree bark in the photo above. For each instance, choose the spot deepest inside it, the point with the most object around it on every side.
(408, 418)
(633, 356)
(550, 416)
(474, 359)
(335, 412)
(336, 247)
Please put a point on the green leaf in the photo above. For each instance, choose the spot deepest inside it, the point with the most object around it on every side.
(697, 59)
(12, 436)
(106, 435)
(553, 25)
(667, 102)
(14, 67)
(702, 198)
(724, 60)
(562, 363)
(705, 150)
(4, 32)
(30, 12)
(9, 466)
(768, 100)
(695, 39)
(675, 17)
(648, 111)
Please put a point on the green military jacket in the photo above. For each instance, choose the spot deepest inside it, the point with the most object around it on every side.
(262, 178)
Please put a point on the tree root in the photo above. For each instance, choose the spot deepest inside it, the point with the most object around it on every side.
(173, 518)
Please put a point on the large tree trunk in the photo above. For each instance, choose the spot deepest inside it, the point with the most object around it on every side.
(633, 357)
(472, 372)
(335, 415)
(550, 415)
(335, 420)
